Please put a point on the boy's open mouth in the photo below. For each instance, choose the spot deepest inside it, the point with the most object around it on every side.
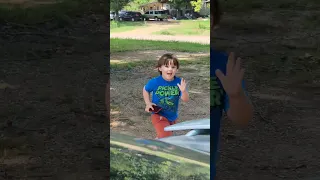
(169, 74)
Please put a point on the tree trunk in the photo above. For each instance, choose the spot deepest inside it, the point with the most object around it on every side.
(116, 17)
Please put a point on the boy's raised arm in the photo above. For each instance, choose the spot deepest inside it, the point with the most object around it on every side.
(183, 88)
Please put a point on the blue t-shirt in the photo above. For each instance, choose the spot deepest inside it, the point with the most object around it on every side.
(165, 94)
(219, 102)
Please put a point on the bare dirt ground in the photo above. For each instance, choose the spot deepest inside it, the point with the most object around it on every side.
(281, 53)
(146, 34)
(127, 105)
(52, 85)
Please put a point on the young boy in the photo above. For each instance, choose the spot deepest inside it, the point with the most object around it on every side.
(227, 91)
(167, 90)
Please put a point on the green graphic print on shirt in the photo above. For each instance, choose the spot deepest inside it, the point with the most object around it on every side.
(168, 97)
(216, 93)
(165, 94)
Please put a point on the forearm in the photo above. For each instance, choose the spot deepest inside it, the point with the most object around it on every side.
(241, 110)
(185, 96)
(146, 96)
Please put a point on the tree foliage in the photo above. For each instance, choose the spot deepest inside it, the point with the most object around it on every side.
(177, 4)
(134, 5)
(197, 5)
(117, 5)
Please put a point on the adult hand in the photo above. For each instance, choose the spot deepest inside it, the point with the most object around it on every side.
(232, 80)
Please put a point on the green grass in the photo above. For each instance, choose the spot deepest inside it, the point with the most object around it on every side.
(152, 165)
(188, 27)
(121, 45)
(116, 26)
(129, 65)
(61, 12)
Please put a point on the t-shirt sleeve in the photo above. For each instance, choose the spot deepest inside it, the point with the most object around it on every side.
(226, 98)
(149, 87)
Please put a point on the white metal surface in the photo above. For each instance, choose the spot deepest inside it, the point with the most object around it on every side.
(188, 125)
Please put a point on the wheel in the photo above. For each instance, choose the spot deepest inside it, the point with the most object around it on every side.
(120, 19)
(132, 19)
(156, 18)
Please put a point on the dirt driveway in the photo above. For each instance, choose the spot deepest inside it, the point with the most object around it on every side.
(146, 34)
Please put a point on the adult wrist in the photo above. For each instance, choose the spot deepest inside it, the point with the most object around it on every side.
(238, 96)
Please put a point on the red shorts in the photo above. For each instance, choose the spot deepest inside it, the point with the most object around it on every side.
(159, 123)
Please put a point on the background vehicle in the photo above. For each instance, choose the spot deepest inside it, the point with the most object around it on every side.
(136, 158)
(112, 15)
(156, 15)
(130, 16)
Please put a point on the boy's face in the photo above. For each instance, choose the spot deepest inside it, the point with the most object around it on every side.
(168, 71)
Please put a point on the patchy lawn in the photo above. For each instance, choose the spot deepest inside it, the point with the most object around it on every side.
(188, 27)
(121, 45)
(123, 26)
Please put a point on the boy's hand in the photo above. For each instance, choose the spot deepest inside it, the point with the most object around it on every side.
(149, 106)
(183, 85)
(232, 81)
